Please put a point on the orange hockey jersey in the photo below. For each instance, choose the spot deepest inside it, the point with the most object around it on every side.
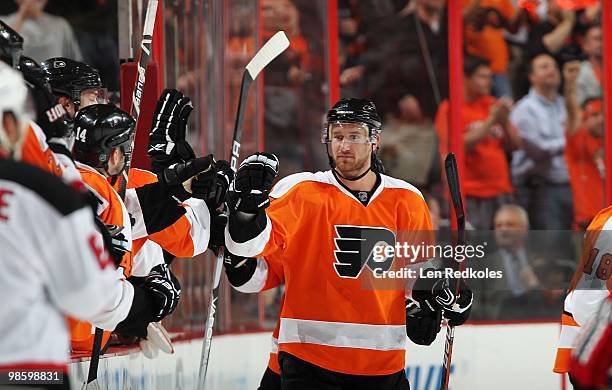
(590, 287)
(111, 211)
(183, 229)
(331, 316)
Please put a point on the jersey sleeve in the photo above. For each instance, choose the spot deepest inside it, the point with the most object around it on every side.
(183, 229)
(82, 279)
(266, 274)
(35, 151)
(112, 211)
(266, 234)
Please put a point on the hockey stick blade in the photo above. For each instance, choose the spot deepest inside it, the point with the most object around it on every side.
(269, 51)
(452, 178)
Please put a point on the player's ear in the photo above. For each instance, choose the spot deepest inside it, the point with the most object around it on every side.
(376, 144)
(115, 156)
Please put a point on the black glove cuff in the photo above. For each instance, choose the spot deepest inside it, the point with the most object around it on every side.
(242, 231)
(141, 313)
(239, 275)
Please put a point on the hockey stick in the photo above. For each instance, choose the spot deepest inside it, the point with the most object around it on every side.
(270, 50)
(143, 61)
(452, 177)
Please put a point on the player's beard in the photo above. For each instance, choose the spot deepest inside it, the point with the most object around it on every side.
(352, 167)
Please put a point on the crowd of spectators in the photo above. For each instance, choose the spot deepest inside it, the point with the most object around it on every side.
(532, 126)
(532, 118)
(531, 114)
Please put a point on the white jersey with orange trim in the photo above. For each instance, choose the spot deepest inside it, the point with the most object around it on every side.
(53, 264)
(591, 289)
(325, 236)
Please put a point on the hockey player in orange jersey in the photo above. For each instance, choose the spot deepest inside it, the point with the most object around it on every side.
(101, 146)
(336, 331)
(53, 257)
(590, 286)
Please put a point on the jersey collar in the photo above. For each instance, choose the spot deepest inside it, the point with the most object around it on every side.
(334, 181)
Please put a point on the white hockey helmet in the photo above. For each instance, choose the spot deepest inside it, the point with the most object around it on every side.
(13, 99)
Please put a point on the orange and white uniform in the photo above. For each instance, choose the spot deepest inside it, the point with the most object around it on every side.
(111, 211)
(35, 151)
(183, 229)
(268, 274)
(590, 287)
(331, 317)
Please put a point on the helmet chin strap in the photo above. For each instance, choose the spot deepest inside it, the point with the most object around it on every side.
(337, 173)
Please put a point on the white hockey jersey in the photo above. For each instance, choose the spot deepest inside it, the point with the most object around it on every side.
(53, 264)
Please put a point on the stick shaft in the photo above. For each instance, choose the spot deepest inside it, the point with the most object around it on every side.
(452, 178)
(143, 61)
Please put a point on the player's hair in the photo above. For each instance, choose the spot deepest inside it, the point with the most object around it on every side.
(472, 63)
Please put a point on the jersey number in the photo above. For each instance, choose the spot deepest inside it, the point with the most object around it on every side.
(605, 265)
(4, 204)
(81, 134)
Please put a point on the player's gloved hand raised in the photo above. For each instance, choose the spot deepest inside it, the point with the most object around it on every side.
(167, 143)
(165, 289)
(212, 186)
(178, 178)
(437, 294)
(249, 190)
(422, 324)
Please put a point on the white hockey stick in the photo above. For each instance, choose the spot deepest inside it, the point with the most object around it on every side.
(269, 51)
(143, 61)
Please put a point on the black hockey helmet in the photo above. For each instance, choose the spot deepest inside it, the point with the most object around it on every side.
(70, 78)
(50, 115)
(353, 110)
(11, 45)
(99, 129)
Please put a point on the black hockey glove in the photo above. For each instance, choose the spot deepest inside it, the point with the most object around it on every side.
(165, 289)
(238, 269)
(51, 116)
(118, 243)
(178, 178)
(114, 241)
(167, 143)
(213, 185)
(249, 190)
(437, 294)
(422, 324)
(218, 221)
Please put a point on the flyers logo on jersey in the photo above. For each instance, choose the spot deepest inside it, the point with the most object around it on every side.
(355, 249)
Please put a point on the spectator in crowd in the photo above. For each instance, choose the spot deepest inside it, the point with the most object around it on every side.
(589, 78)
(512, 258)
(406, 61)
(45, 36)
(487, 136)
(539, 170)
(549, 30)
(284, 78)
(585, 161)
(485, 22)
